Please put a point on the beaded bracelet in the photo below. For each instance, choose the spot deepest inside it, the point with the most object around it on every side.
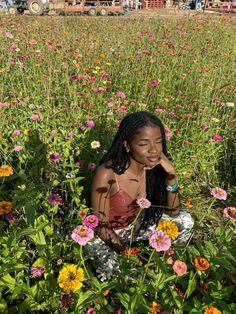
(172, 187)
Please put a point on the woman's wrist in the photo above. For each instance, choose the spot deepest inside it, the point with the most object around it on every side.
(171, 178)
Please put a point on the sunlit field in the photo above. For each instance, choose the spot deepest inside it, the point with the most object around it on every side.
(65, 84)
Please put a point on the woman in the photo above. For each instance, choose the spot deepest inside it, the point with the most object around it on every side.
(136, 166)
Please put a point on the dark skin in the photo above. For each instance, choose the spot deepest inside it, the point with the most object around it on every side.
(145, 153)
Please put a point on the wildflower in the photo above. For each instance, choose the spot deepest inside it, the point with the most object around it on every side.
(130, 251)
(91, 166)
(6, 171)
(91, 310)
(188, 203)
(55, 157)
(159, 241)
(91, 221)
(105, 292)
(154, 307)
(217, 137)
(70, 278)
(95, 144)
(179, 267)
(79, 164)
(5, 207)
(90, 124)
(65, 300)
(230, 212)
(12, 218)
(154, 83)
(143, 203)
(37, 271)
(219, 193)
(82, 213)
(74, 77)
(215, 120)
(18, 148)
(9, 35)
(35, 117)
(201, 263)
(170, 261)
(212, 310)
(120, 94)
(168, 133)
(15, 133)
(169, 227)
(55, 199)
(82, 234)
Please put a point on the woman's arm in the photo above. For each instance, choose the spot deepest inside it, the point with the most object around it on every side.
(100, 196)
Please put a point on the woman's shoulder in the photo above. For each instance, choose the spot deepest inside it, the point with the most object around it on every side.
(103, 173)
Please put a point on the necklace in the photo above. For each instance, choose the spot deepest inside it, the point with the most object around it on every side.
(133, 176)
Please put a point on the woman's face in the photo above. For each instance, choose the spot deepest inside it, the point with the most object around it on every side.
(146, 146)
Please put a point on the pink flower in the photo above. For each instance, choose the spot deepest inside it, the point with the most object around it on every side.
(91, 221)
(219, 193)
(18, 148)
(90, 124)
(170, 261)
(151, 36)
(79, 164)
(37, 271)
(120, 94)
(204, 127)
(171, 114)
(168, 133)
(143, 203)
(91, 166)
(91, 310)
(159, 241)
(74, 77)
(2, 105)
(104, 75)
(70, 134)
(217, 137)
(122, 109)
(15, 133)
(65, 300)
(230, 212)
(55, 199)
(55, 157)
(35, 117)
(9, 35)
(186, 142)
(33, 41)
(82, 234)
(14, 48)
(179, 267)
(13, 218)
(154, 83)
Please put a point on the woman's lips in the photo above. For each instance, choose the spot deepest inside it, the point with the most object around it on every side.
(153, 159)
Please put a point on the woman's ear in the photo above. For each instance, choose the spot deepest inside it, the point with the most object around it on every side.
(126, 146)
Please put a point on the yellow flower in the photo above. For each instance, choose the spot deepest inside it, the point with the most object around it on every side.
(6, 171)
(215, 120)
(212, 310)
(5, 207)
(70, 278)
(169, 227)
(154, 308)
(26, 132)
(95, 144)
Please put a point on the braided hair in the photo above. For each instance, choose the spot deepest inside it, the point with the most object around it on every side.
(118, 159)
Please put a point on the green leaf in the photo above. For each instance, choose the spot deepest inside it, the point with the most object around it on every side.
(191, 284)
(85, 298)
(8, 281)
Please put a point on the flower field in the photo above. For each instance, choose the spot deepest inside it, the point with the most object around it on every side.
(65, 84)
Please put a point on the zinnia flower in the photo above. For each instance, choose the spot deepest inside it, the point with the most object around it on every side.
(131, 251)
(201, 263)
(179, 267)
(55, 157)
(143, 203)
(159, 241)
(169, 227)
(37, 271)
(35, 117)
(12, 218)
(9, 35)
(154, 83)
(168, 133)
(154, 307)
(212, 310)
(65, 300)
(82, 234)
(95, 144)
(91, 310)
(5, 207)
(91, 166)
(6, 171)
(90, 124)
(18, 148)
(91, 221)
(120, 94)
(217, 137)
(219, 193)
(55, 199)
(15, 133)
(70, 278)
(230, 212)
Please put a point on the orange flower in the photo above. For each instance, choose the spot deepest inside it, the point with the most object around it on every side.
(131, 251)
(188, 202)
(212, 310)
(154, 307)
(131, 58)
(105, 292)
(6, 171)
(201, 263)
(5, 207)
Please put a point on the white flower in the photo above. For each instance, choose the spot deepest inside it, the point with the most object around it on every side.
(95, 144)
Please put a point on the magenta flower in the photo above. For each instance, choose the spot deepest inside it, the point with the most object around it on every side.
(120, 94)
(91, 221)
(230, 212)
(91, 166)
(65, 300)
(154, 83)
(168, 133)
(90, 124)
(217, 137)
(9, 35)
(55, 199)
(91, 310)
(18, 148)
(35, 117)
(74, 77)
(179, 267)
(37, 271)
(143, 203)
(159, 241)
(55, 157)
(15, 133)
(204, 127)
(219, 193)
(13, 218)
(82, 234)
(14, 48)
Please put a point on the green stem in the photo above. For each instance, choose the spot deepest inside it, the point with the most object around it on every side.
(82, 261)
(147, 265)
(132, 229)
